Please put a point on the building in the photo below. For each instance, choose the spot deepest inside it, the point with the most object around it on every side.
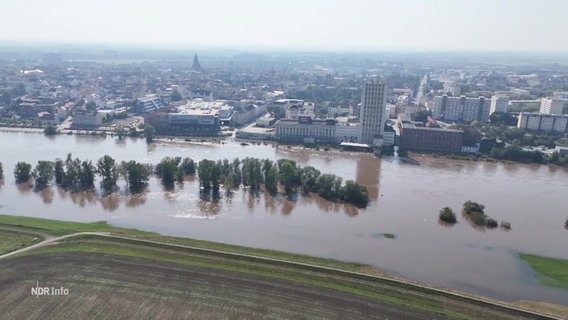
(551, 105)
(498, 104)
(346, 132)
(517, 104)
(462, 109)
(424, 139)
(148, 103)
(306, 130)
(196, 66)
(83, 119)
(372, 114)
(543, 122)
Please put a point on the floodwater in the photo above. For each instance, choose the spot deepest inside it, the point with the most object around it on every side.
(405, 201)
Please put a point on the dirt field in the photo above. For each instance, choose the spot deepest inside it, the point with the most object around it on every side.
(113, 287)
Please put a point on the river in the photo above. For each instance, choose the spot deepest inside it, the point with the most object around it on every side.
(405, 201)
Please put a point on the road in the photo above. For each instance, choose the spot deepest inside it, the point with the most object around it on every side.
(49, 241)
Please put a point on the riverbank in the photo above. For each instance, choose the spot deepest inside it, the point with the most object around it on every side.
(146, 245)
(405, 201)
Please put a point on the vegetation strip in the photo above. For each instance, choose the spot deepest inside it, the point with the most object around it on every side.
(334, 272)
(554, 270)
(76, 175)
(252, 259)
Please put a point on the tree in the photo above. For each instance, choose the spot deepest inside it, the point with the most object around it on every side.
(149, 133)
(175, 96)
(271, 180)
(50, 130)
(59, 171)
(188, 166)
(492, 223)
(1, 172)
(288, 174)
(167, 170)
(502, 118)
(108, 170)
(71, 179)
(421, 116)
(87, 176)
(470, 207)
(204, 172)
(23, 172)
(447, 215)
(329, 186)
(355, 193)
(309, 179)
(42, 174)
(136, 174)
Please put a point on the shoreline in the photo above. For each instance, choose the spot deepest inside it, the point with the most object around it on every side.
(68, 229)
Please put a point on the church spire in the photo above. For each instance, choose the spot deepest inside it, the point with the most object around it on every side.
(196, 66)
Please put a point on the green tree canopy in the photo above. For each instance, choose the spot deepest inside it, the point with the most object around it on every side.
(23, 172)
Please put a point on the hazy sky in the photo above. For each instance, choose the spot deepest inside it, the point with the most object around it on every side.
(353, 25)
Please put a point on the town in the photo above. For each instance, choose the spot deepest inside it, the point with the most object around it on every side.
(353, 101)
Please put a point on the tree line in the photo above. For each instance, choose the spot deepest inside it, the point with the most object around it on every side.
(76, 175)
(285, 174)
(80, 175)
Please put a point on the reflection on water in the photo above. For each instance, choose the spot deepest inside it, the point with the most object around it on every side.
(46, 195)
(136, 200)
(405, 200)
(24, 188)
(110, 202)
(368, 174)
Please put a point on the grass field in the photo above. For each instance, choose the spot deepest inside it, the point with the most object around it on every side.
(13, 240)
(554, 272)
(136, 274)
(59, 228)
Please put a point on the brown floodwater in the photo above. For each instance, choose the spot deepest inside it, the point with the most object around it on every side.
(405, 201)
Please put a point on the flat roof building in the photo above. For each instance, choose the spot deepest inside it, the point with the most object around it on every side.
(305, 130)
(462, 109)
(543, 122)
(413, 138)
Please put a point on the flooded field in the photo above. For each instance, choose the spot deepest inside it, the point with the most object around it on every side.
(405, 201)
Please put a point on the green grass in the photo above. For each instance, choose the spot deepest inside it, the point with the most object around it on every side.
(418, 298)
(554, 271)
(52, 227)
(13, 240)
(89, 244)
(59, 228)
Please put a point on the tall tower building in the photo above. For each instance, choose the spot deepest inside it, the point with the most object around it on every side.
(372, 114)
(196, 66)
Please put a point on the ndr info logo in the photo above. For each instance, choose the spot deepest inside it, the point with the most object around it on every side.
(49, 291)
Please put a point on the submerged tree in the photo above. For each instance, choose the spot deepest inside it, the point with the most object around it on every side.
(288, 174)
(137, 175)
(355, 193)
(108, 170)
(59, 171)
(42, 174)
(188, 166)
(447, 215)
(23, 172)
(169, 171)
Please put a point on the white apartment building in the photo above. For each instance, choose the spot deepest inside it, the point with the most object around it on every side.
(372, 115)
(543, 122)
(462, 108)
(551, 105)
(498, 104)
